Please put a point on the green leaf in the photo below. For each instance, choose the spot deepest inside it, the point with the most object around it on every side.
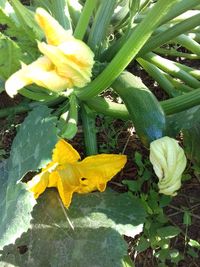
(10, 55)
(35, 140)
(143, 244)
(86, 234)
(31, 150)
(133, 186)
(192, 143)
(27, 20)
(168, 231)
(192, 253)
(193, 243)
(183, 120)
(15, 31)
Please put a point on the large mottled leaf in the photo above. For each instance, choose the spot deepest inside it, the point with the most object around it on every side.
(26, 20)
(10, 55)
(15, 31)
(31, 150)
(89, 233)
(192, 143)
(183, 120)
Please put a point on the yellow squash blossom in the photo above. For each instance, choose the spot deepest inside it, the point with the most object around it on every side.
(169, 161)
(67, 62)
(68, 174)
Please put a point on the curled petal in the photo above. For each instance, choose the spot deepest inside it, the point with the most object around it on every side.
(64, 153)
(169, 161)
(54, 32)
(16, 81)
(96, 171)
(68, 64)
(38, 184)
(40, 72)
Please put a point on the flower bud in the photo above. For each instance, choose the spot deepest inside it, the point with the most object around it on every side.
(169, 161)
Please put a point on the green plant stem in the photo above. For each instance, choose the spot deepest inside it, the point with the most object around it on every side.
(106, 107)
(158, 75)
(129, 50)
(175, 53)
(182, 102)
(178, 84)
(84, 19)
(193, 72)
(89, 129)
(170, 106)
(70, 116)
(180, 8)
(166, 35)
(188, 43)
(171, 68)
(115, 110)
(36, 95)
(100, 25)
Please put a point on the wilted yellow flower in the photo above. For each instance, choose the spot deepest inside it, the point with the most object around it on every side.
(169, 161)
(67, 62)
(69, 174)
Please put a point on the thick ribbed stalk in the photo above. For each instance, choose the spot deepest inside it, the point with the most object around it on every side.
(71, 116)
(158, 75)
(171, 68)
(108, 108)
(100, 25)
(89, 130)
(180, 8)
(193, 72)
(36, 95)
(182, 102)
(188, 43)
(178, 84)
(170, 106)
(84, 19)
(129, 50)
(170, 34)
(175, 53)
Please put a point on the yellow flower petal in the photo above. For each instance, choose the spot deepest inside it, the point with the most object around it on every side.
(16, 81)
(67, 184)
(69, 175)
(54, 32)
(38, 184)
(97, 170)
(64, 153)
(40, 72)
(71, 63)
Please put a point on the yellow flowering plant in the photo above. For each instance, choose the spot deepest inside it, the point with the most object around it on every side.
(67, 62)
(61, 56)
(70, 175)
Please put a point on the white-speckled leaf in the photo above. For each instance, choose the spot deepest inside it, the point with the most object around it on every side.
(31, 150)
(88, 234)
